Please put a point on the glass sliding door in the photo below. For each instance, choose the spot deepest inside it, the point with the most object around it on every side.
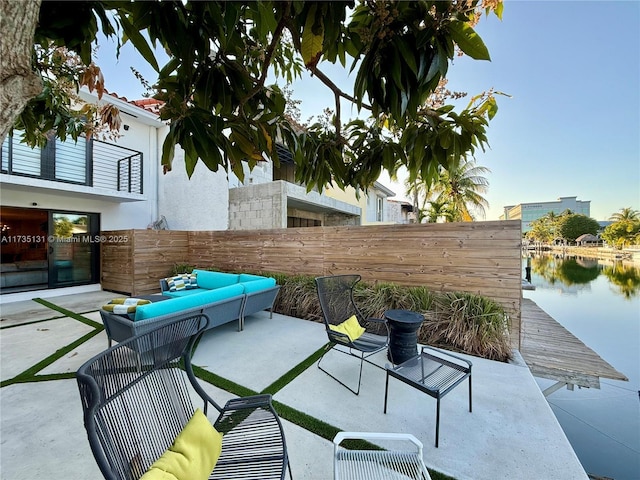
(47, 249)
(73, 251)
(23, 249)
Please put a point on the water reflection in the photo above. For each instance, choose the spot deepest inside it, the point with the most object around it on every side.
(574, 274)
(625, 278)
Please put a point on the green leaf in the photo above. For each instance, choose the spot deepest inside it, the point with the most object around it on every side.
(266, 21)
(168, 149)
(434, 68)
(312, 38)
(139, 43)
(445, 139)
(492, 108)
(468, 40)
(214, 159)
(407, 54)
(396, 73)
(498, 10)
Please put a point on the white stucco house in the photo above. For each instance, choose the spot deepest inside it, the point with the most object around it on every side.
(56, 201)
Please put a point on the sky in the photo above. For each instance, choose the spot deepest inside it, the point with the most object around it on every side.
(571, 126)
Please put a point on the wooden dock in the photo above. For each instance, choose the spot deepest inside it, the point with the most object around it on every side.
(552, 352)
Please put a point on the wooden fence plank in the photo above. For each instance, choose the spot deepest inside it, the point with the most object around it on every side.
(479, 257)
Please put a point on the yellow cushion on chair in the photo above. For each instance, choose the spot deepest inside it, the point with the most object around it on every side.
(350, 327)
(193, 454)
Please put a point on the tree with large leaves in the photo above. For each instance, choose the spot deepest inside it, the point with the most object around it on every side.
(218, 104)
(572, 225)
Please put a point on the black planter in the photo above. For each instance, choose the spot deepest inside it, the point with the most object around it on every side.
(403, 334)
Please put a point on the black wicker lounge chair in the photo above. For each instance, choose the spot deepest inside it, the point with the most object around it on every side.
(336, 300)
(138, 398)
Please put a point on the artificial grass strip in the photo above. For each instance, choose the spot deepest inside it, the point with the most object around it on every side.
(29, 374)
(48, 377)
(222, 383)
(288, 377)
(68, 313)
(328, 432)
(319, 427)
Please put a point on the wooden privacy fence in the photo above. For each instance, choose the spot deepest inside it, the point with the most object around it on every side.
(478, 257)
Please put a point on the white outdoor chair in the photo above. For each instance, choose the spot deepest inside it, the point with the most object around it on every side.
(394, 464)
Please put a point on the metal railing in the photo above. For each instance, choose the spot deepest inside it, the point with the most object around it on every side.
(89, 162)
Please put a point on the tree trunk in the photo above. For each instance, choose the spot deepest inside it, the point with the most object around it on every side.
(18, 82)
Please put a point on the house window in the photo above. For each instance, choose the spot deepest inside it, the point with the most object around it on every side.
(379, 212)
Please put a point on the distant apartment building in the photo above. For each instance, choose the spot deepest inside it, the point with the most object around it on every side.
(529, 212)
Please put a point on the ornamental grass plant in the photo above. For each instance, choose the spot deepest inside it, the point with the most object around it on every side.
(469, 323)
(458, 321)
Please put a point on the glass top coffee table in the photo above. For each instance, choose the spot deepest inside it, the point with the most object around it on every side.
(433, 372)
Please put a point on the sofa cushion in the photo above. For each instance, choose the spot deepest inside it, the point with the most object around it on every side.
(187, 302)
(262, 284)
(247, 277)
(176, 283)
(212, 280)
(184, 293)
(124, 306)
(350, 327)
(190, 280)
(183, 281)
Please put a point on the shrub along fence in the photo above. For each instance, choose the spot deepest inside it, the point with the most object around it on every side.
(478, 257)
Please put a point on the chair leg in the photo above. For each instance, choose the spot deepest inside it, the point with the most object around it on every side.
(289, 469)
(356, 392)
(437, 420)
(386, 391)
(470, 392)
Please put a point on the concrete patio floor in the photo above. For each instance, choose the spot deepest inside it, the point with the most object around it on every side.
(511, 434)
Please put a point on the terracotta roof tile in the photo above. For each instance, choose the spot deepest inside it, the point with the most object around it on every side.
(149, 104)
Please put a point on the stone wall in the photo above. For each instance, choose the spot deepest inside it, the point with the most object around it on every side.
(257, 207)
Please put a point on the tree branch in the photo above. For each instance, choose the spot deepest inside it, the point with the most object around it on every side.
(277, 34)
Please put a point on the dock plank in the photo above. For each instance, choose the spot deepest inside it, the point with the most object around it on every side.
(552, 352)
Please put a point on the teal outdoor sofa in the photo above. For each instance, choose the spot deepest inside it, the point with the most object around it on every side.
(223, 297)
(260, 292)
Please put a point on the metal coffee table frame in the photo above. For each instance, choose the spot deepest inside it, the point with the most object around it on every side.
(433, 372)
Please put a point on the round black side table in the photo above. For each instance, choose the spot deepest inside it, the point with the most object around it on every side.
(403, 334)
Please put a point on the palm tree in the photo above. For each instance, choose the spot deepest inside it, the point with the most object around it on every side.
(626, 214)
(420, 190)
(437, 210)
(461, 187)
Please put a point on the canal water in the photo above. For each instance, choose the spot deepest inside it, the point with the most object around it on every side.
(599, 302)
